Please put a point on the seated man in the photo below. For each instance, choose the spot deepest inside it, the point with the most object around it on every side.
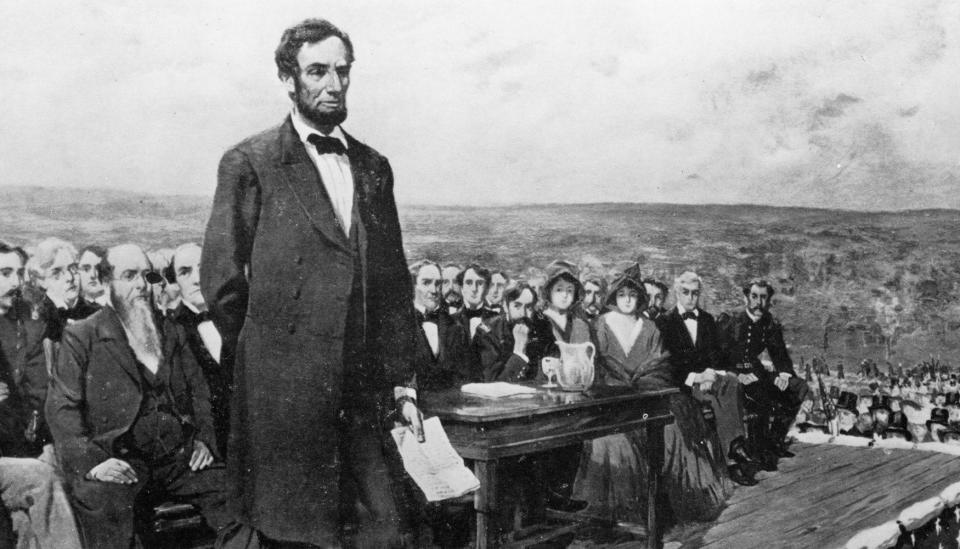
(26, 484)
(511, 345)
(204, 340)
(473, 282)
(450, 289)
(130, 412)
(692, 338)
(91, 288)
(441, 356)
(499, 280)
(657, 295)
(594, 292)
(23, 344)
(774, 393)
(54, 267)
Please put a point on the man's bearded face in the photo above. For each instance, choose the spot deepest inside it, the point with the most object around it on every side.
(11, 278)
(320, 87)
(591, 297)
(130, 297)
(758, 300)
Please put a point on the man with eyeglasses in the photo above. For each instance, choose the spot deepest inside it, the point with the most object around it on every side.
(773, 390)
(54, 267)
(130, 411)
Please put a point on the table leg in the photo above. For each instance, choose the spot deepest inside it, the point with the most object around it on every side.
(654, 449)
(483, 502)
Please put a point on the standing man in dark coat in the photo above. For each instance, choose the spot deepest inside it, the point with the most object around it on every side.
(774, 392)
(304, 272)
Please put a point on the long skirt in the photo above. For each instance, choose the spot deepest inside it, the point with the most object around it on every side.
(612, 477)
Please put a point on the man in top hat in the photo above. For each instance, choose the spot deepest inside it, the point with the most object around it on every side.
(898, 427)
(939, 421)
(880, 411)
(775, 394)
(847, 411)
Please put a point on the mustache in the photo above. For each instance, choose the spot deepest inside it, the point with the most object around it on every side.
(15, 293)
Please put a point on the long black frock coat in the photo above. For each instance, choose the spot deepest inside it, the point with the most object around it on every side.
(277, 271)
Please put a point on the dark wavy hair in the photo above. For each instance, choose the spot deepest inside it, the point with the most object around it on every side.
(8, 249)
(482, 272)
(308, 31)
(760, 283)
(515, 290)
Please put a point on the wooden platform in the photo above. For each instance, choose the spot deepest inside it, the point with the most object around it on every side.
(818, 499)
(822, 497)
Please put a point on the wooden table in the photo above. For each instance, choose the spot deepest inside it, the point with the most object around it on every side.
(490, 430)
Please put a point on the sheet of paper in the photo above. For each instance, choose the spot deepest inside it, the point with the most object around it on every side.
(434, 464)
(497, 389)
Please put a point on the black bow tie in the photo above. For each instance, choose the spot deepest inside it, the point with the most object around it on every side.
(327, 145)
(689, 315)
(432, 316)
(203, 317)
(473, 313)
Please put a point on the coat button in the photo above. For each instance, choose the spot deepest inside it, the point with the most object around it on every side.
(298, 260)
(291, 327)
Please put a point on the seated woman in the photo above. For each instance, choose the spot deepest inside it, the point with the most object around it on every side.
(613, 470)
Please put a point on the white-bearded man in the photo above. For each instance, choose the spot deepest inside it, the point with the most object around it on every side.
(130, 412)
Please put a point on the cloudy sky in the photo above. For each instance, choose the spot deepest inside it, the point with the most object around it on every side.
(850, 104)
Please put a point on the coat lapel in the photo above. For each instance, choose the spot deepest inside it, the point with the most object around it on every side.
(303, 180)
(680, 327)
(111, 332)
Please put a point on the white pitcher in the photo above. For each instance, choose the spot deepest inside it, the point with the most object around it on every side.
(576, 369)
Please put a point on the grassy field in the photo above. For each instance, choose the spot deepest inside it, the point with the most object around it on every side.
(879, 285)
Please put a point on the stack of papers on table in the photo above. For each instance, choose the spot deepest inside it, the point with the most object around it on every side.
(497, 389)
(434, 464)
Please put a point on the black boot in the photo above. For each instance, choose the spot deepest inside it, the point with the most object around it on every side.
(778, 436)
(761, 444)
(739, 475)
(739, 453)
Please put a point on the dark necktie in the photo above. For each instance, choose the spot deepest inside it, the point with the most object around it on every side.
(689, 316)
(203, 317)
(326, 145)
(432, 316)
(473, 313)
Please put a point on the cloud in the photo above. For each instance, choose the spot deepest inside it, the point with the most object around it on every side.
(501, 102)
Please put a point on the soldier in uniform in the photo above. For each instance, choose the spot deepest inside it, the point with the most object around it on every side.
(774, 392)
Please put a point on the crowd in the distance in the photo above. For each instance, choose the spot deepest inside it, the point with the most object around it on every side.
(916, 404)
(733, 410)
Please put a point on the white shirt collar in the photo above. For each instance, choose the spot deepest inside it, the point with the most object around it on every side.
(58, 302)
(189, 306)
(305, 130)
(753, 318)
